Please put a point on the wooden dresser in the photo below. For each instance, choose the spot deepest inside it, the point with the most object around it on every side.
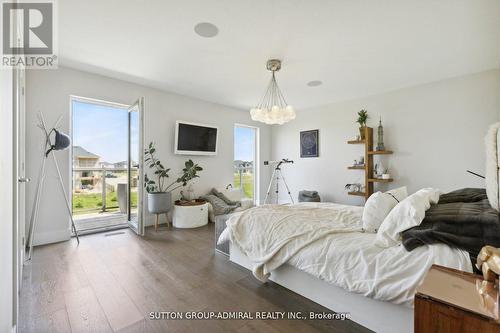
(448, 301)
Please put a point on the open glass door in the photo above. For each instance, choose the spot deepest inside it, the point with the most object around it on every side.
(135, 169)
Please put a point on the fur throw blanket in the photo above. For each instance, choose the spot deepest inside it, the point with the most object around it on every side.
(462, 219)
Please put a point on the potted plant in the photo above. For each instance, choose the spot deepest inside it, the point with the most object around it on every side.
(362, 117)
(159, 193)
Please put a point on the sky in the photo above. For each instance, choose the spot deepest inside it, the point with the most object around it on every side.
(102, 130)
(244, 143)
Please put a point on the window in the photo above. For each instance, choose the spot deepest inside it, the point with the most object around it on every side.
(245, 160)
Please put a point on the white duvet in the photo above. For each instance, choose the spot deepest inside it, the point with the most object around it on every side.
(326, 240)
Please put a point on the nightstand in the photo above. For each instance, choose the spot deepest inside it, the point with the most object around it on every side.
(448, 301)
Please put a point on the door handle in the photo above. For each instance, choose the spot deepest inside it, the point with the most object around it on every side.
(24, 180)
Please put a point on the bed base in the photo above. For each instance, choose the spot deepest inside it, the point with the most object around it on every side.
(376, 315)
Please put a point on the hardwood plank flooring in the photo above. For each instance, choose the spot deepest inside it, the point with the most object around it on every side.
(112, 281)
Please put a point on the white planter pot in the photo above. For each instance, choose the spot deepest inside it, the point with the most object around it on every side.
(159, 203)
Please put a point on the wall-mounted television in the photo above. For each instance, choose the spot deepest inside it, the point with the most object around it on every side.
(195, 139)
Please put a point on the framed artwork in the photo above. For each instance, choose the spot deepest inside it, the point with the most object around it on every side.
(309, 143)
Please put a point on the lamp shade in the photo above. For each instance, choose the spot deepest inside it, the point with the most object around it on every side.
(62, 141)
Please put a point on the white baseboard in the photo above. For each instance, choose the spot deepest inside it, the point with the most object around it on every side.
(54, 236)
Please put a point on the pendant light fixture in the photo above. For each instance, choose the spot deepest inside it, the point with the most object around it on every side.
(273, 108)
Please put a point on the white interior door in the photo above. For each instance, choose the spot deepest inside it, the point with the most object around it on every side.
(21, 180)
(135, 169)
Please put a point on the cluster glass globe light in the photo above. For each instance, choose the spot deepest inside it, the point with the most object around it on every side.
(273, 108)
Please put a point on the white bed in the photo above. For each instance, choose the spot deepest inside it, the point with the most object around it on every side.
(346, 271)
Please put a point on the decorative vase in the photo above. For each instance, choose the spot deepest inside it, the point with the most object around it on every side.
(362, 132)
(159, 202)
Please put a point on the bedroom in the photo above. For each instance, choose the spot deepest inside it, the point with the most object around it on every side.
(183, 83)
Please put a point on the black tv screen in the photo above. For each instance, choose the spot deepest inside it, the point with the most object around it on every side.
(196, 139)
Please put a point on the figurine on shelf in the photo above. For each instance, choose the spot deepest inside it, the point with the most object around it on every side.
(380, 140)
(361, 163)
(356, 187)
(379, 170)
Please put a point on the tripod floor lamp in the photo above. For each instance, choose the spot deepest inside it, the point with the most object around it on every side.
(54, 141)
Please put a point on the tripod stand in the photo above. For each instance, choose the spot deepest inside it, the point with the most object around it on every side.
(48, 149)
(275, 177)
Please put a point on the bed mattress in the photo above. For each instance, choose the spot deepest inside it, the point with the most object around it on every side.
(352, 261)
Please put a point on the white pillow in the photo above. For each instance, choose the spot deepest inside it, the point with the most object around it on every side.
(407, 214)
(378, 206)
(399, 193)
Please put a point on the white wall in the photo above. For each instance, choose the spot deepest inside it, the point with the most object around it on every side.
(6, 202)
(436, 131)
(49, 92)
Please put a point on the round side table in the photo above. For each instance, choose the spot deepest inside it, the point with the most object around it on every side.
(191, 214)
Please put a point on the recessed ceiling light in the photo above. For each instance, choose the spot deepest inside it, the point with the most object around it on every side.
(206, 29)
(314, 83)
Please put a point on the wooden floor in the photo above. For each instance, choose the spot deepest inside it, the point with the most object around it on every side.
(112, 281)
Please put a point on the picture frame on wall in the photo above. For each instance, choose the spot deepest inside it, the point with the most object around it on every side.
(309, 143)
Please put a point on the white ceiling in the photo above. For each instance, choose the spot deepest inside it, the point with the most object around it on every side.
(355, 47)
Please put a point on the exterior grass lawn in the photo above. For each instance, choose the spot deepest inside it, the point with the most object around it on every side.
(247, 180)
(92, 202)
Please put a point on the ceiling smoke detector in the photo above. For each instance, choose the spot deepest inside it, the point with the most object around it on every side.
(314, 83)
(206, 30)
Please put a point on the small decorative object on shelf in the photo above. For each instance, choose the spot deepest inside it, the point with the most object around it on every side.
(380, 132)
(379, 170)
(355, 187)
(362, 117)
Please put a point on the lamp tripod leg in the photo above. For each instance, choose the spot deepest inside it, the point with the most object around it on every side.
(36, 205)
(66, 198)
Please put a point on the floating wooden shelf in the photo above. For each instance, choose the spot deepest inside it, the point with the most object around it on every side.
(360, 194)
(380, 152)
(356, 167)
(356, 142)
(368, 167)
(380, 180)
